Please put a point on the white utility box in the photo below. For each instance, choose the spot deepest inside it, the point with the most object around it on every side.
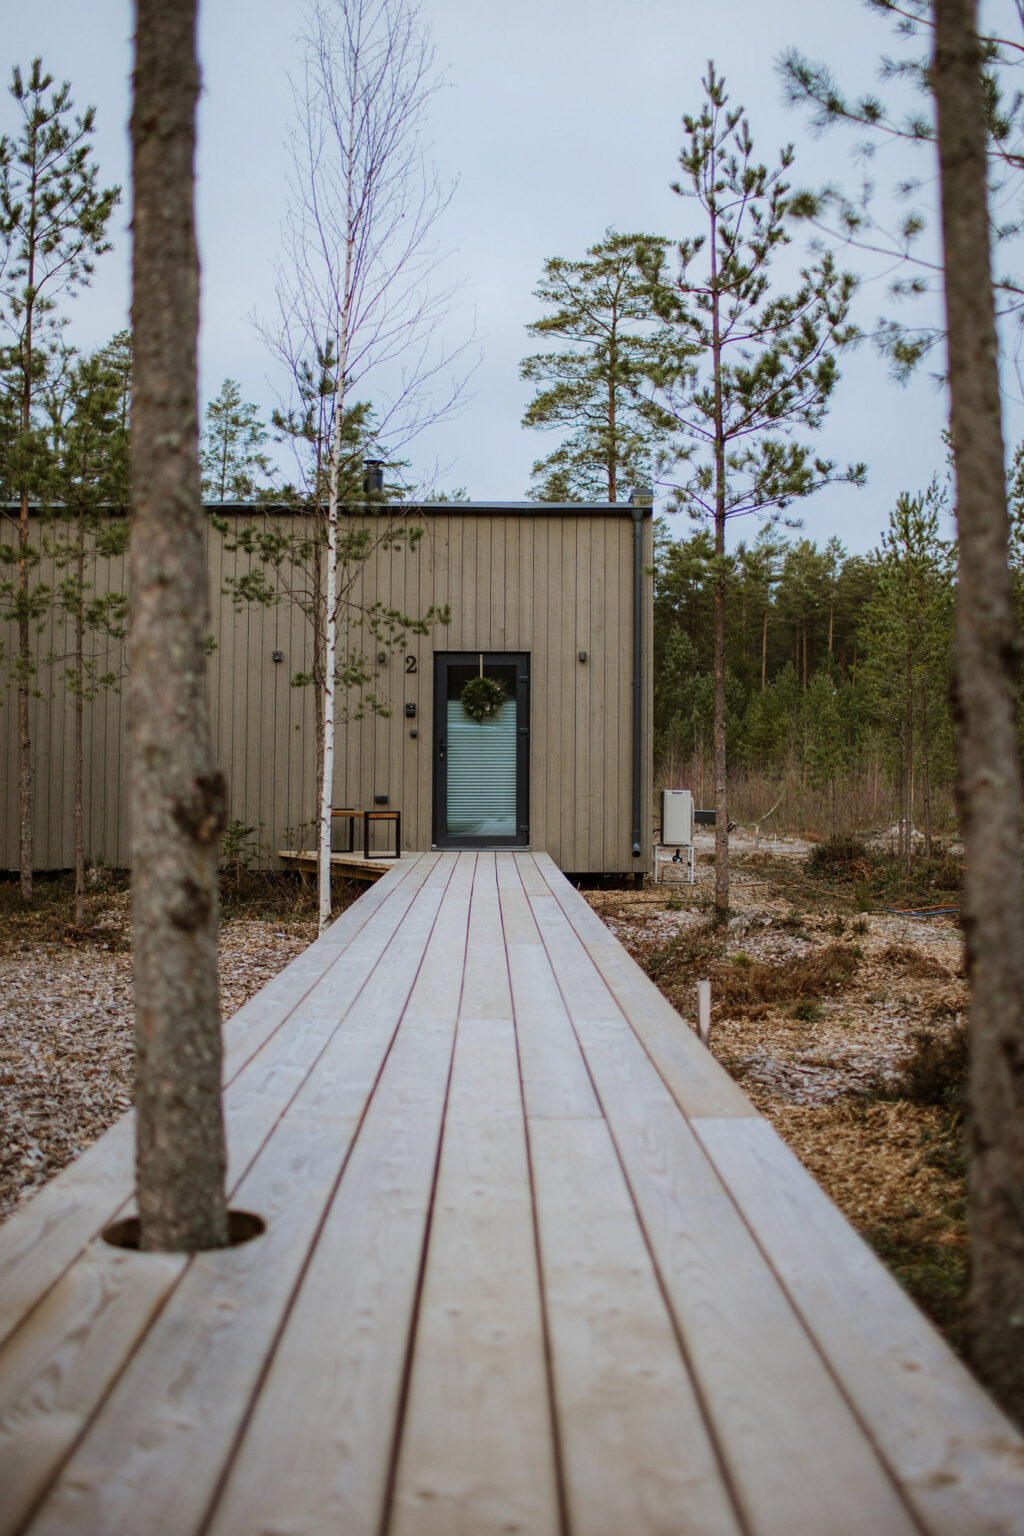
(677, 833)
(676, 818)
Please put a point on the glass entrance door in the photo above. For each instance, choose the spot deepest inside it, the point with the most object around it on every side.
(481, 767)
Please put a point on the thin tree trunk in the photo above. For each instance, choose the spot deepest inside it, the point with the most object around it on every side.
(721, 763)
(764, 652)
(80, 729)
(178, 797)
(26, 849)
(613, 489)
(26, 823)
(805, 655)
(926, 786)
(330, 658)
(987, 662)
(909, 784)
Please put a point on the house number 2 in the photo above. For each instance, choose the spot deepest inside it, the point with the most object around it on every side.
(410, 664)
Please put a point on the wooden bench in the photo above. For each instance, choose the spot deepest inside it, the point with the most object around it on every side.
(533, 1263)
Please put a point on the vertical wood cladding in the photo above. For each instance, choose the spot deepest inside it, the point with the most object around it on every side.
(549, 583)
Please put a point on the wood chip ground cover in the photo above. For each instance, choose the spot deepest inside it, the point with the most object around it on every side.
(66, 1024)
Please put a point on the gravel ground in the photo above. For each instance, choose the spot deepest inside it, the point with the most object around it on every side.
(66, 1036)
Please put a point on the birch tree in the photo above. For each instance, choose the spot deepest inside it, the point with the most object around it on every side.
(358, 279)
(178, 797)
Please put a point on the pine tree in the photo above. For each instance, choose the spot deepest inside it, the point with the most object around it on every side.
(230, 458)
(89, 485)
(601, 317)
(907, 632)
(987, 672)
(53, 220)
(742, 367)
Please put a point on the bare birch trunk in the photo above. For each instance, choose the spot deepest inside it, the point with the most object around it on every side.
(178, 796)
(987, 657)
(330, 669)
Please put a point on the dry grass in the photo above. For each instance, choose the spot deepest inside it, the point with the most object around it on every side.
(845, 1029)
(866, 797)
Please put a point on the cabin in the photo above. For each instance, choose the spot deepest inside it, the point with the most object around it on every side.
(553, 603)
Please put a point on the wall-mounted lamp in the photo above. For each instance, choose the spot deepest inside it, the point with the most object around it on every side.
(382, 657)
(277, 655)
(583, 655)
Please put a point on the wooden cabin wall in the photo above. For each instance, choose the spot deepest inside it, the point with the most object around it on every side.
(550, 585)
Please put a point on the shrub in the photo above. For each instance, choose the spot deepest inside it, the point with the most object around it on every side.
(840, 858)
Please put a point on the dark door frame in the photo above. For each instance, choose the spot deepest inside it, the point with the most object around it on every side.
(442, 660)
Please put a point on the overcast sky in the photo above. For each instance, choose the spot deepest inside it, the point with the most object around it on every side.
(559, 118)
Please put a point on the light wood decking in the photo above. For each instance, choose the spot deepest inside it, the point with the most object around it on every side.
(532, 1264)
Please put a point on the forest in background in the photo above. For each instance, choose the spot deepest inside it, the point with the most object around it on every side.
(838, 673)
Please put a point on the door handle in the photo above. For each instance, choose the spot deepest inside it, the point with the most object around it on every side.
(441, 747)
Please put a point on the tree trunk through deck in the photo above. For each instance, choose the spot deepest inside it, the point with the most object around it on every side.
(987, 656)
(178, 797)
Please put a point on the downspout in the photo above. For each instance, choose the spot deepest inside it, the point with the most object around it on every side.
(640, 503)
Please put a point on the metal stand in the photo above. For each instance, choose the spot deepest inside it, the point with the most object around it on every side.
(682, 855)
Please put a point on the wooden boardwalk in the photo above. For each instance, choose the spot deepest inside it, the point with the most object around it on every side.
(532, 1264)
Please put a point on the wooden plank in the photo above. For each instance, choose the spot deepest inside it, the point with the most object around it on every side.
(635, 1448)
(152, 1457)
(327, 1059)
(553, 1071)
(745, 1345)
(617, 992)
(486, 993)
(252, 1025)
(348, 1068)
(158, 1432)
(438, 985)
(476, 1452)
(53, 1375)
(584, 809)
(41, 1239)
(601, 638)
(316, 1454)
(959, 1460)
(567, 665)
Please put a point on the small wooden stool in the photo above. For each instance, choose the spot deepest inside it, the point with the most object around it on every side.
(352, 816)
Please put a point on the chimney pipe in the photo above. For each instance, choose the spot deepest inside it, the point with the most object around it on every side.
(373, 477)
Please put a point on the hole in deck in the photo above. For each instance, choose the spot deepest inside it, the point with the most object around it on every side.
(243, 1226)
